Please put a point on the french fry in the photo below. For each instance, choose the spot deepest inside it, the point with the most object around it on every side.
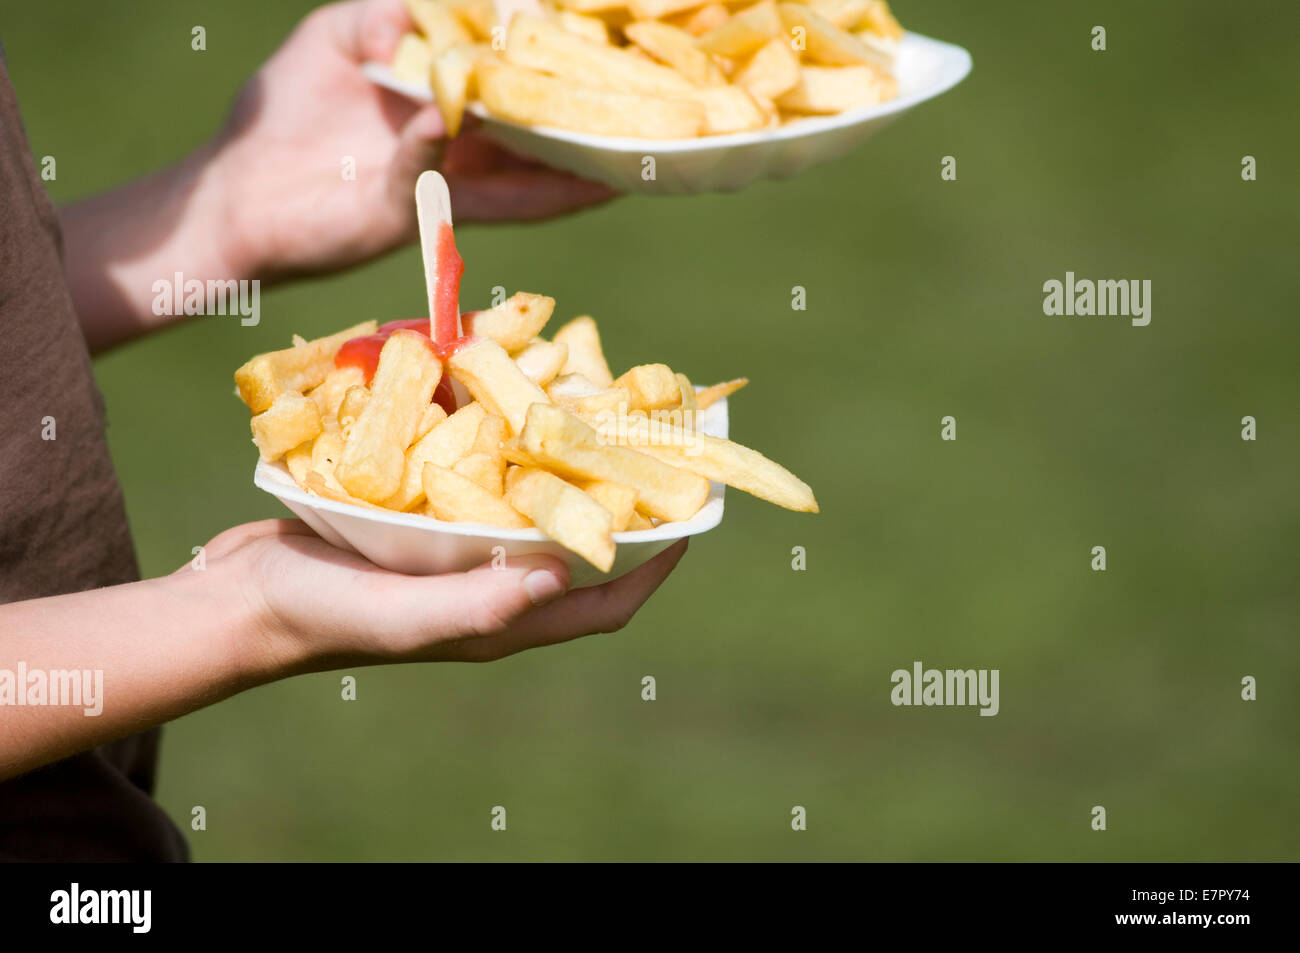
(532, 98)
(728, 109)
(326, 453)
(445, 444)
(826, 43)
(454, 498)
(450, 74)
(745, 32)
(701, 20)
(536, 43)
(295, 369)
(290, 420)
(585, 354)
(487, 470)
(709, 396)
(618, 498)
(433, 415)
(589, 407)
(496, 381)
(834, 89)
(569, 447)
(439, 24)
(330, 393)
(651, 387)
(322, 485)
(593, 28)
(412, 59)
(655, 9)
(676, 48)
(354, 401)
(687, 397)
(298, 462)
(374, 456)
(491, 435)
(541, 361)
(715, 458)
(638, 523)
(592, 6)
(771, 71)
(567, 515)
(513, 323)
(845, 14)
(880, 20)
(478, 16)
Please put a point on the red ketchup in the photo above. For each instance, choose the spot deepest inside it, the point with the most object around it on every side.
(443, 328)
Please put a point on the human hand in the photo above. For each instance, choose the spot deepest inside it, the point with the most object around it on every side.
(280, 159)
(322, 608)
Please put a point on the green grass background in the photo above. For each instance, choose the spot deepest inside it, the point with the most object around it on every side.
(924, 299)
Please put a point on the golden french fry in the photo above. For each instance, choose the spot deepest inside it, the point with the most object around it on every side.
(844, 14)
(651, 387)
(611, 400)
(585, 354)
(700, 21)
(638, 523)
(496, 381)
(689, 400)
(433, 415)
(439, 24)
(655, 9)
(295, 369)
(566, 445)
(618, 498)
(592, 6)
(374, 455)
(322, 485)
(713, 457)
(833, 89)
(290, 420)
(458, 499)
(711, 395)
(533, 98)
(880, 20)
(826, 43)
(676, 48)
(326, 453)
(444, 444)
(491, 435)
(478, 16)
(298, 462)
(593, 28)
(514, 322)
(487, 470)
(567, 515)
(354, 401)
(450, 74)
(411, 60)
(771, 71)
(728, 109)
(535, 43)
(745, 32)
(541, 361)
(330, 393)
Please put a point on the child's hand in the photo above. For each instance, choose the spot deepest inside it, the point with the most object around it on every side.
(321, 607)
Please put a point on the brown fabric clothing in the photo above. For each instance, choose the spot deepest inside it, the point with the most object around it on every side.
(62, 524)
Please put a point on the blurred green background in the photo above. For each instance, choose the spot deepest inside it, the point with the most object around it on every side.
(1119, 688)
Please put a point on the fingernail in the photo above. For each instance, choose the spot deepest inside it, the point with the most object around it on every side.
(543, 586)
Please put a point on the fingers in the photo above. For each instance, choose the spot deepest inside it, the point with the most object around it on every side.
(455, 609)
(605, 608)
(367, 29)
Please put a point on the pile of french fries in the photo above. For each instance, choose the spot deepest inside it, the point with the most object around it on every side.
(550, 438)
(654, 69)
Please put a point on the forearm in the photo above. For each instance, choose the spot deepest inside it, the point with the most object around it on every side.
(118, 244)
(164, 647)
